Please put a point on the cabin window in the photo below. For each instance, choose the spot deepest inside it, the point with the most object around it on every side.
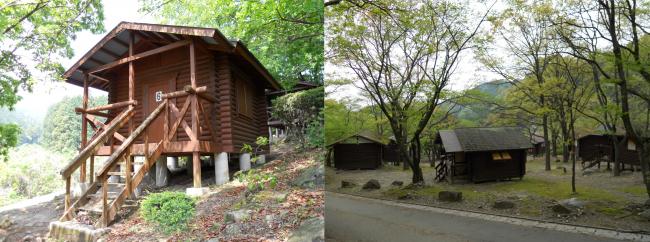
(244, 93)
(631, 145)
(501, 156)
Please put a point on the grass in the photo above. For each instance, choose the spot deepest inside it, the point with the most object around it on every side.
(635, 190)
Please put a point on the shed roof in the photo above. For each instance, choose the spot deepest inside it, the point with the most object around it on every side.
(114, 46)
(361, 134)
(483, 139)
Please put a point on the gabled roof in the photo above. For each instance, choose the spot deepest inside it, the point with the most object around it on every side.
(114, 46)
(537, 140)
(362, 134)
(483, 139)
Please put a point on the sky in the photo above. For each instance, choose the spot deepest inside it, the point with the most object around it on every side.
(48, 93)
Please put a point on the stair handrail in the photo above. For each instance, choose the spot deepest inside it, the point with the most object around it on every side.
(119, 152)
(93, 146)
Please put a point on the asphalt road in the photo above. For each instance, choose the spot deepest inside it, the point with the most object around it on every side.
(350, 218)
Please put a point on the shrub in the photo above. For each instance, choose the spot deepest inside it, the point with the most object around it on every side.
(297, 110)
(256, 181)
(171, 211)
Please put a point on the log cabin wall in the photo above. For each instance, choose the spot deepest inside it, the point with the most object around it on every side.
(246, 125)
(170, 67)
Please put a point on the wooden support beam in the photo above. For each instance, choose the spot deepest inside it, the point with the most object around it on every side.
(105, 220)
(192, 64)
(111, 106)
(178, 115)
(196, 165)
(95, 113)
(99, 125)
(109, 52)
(84, 129)
(178, 121)
(140, 56)
(131, 80)
(187, 90)
(92, 169)
(96, 77)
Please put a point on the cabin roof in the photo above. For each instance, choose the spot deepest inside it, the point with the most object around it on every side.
(362, 134)
(483, 139)
(114, 46)
(537, 140)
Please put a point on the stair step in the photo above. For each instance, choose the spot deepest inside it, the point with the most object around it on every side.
(91, 210)
(118, 173)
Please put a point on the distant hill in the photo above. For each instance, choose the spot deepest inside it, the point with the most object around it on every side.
(476, 114)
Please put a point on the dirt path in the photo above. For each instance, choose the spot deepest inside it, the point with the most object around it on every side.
(30, 221)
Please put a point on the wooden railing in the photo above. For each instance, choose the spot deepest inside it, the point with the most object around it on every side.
(109, 210)
(442, 170)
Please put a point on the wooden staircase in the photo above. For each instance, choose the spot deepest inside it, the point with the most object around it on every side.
(441, 171)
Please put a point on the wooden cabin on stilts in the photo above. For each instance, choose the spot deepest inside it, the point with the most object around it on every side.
(172, 91)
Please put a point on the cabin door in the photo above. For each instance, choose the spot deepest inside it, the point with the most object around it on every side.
(153, 98)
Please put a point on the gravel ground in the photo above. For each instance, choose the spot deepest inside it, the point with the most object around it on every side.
(608, 199)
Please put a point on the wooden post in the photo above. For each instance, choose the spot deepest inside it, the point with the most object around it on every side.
(67, 194)
(128, 169)
(196, 162)
(104, 201)
(92, 169)
(84, 129)
(192, 64)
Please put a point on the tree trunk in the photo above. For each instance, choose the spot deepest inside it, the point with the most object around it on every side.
(547, 149)
(416, 147)
(615, 156)
(644, 156)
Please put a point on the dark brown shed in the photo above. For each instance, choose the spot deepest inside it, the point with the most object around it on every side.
(595, 147)
(538, 146)
(482, 154)
(357, 151)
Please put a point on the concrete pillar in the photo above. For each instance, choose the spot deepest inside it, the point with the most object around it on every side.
(172, 162)
(221, 172)
(244, 161)
(136, 166)
(261, 159)
(162, 173)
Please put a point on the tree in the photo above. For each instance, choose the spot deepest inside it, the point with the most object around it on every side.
(34, 36)
(62, 129)
(298, 111)
(616, 23)
(524, 29)
(402, 57)
(286, 36)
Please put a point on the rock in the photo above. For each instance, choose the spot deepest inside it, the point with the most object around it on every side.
(503, 205)
(5, 222)
(213, 240)
(237, 216)
(450, 196)
(74, 231)
(573, 203)
(407, 196)
(28, 238)
(645, 214)
(561, 209)
(348, 184)
(371, 185)
(397, 183)
(232, 229)
(311, 177)
(269, 219)
(310, 230)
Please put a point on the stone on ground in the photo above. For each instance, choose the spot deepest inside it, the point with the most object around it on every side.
(561, 209)
(310, 230)
(407, 196)
(237, 216)
(371, 185)
(197, 191)
(348, 184)
(450, 196)
(397, 183)
(645, 214)
(73, 231)
(503, 205)
(5, 222)
(573, 203)
(311, 177)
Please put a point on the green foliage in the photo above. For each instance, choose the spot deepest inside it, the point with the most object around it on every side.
(297, 110)
(260, 143)
(8, 138)
(171, 211)
(31, 170)
(40, 32)
(30, 124)
(315, 134)
(256, 180)
(62, 131)
(286, 36)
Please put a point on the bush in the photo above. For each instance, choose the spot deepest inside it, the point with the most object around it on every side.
(171, 211)
(256, 180)
(297, 110)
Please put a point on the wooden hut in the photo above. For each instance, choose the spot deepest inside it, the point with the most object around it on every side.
(538, 146)
(357, 151)
(482, 154)
(596, 148)
(390, 152)
(172, 91)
